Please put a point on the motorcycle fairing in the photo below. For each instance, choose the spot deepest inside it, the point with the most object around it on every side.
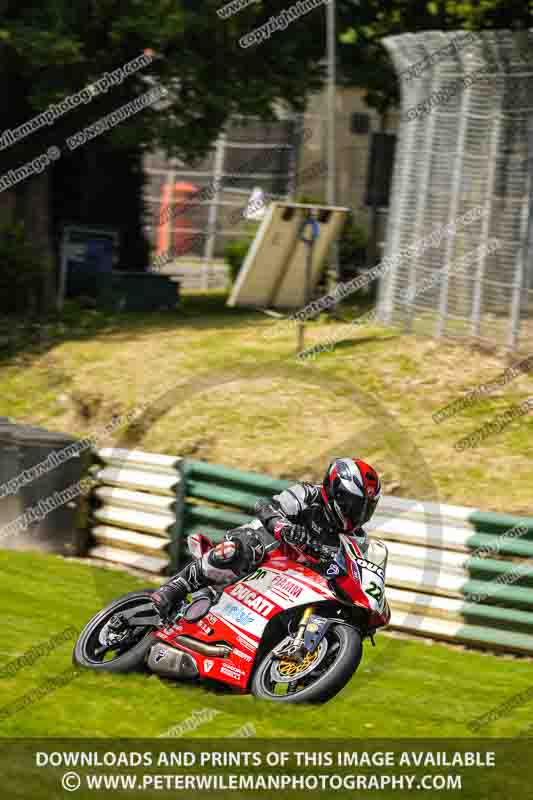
(367, 589)
(244, 609)
(242, 614)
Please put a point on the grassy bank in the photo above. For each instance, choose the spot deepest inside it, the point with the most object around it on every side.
(229, 390)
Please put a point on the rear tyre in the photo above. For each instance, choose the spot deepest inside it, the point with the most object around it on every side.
(344, 653)
(130, 654)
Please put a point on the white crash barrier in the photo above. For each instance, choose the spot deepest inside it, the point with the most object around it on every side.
(437, 584)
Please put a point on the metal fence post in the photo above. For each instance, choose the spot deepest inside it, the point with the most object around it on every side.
(487, 219)
(400, 195)
(212, 219)
(518, 283)
(485, 228)
(454, 208)
(421, 200)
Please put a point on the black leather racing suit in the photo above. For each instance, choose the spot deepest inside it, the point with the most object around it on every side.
(297, 521)
(300, 518)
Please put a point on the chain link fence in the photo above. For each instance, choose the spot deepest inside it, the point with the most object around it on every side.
(195, 210)
(286, 158)
(464, 143)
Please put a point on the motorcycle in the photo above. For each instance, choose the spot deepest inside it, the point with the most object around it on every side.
(286, 633)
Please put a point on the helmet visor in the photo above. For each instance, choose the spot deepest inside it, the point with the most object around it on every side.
(356, 510)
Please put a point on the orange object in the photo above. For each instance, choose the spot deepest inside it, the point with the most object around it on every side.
(173, 234)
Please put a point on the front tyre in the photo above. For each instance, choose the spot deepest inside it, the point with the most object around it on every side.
(121, 652)
(333, 671)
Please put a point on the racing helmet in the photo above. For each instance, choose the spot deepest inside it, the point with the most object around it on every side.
(351, 490)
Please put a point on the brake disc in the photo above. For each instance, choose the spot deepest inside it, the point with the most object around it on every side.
(286, 670)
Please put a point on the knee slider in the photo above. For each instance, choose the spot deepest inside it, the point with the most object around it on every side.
(225, 553)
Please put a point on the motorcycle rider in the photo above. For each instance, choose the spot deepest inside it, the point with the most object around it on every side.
(303, 521)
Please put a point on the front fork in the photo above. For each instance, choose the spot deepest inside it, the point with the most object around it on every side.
(308, 612)
(294, 649)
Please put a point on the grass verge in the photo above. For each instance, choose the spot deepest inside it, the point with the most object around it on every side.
(419, 689)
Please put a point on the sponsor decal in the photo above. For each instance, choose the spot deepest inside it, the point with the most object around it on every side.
(258, 575)
(160, 655)
(245, 643)
(240, 654)
(372, 567)
(211, 619)
(333, 570)
(231, 670)
(205, 628)
(208, 665)
(238, 614)
(252, 599)
(290, 588)
(314, 581)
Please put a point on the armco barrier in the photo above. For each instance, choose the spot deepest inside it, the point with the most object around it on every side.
(454, 573)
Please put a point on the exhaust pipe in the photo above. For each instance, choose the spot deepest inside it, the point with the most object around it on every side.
(171, 663)
(213, 650)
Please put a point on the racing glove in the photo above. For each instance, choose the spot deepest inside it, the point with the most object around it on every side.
(298, 536)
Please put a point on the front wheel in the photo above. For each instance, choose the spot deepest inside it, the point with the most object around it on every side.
(118, 638)
(337, 658)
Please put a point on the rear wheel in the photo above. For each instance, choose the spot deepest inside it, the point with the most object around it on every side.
(319, 677)
(118, 638)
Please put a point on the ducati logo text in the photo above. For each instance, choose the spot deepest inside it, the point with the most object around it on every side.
(252, 599)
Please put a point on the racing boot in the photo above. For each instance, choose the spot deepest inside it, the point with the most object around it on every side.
(221, 565)
(171, 595)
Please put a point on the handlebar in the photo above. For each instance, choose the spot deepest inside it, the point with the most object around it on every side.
(326, 553)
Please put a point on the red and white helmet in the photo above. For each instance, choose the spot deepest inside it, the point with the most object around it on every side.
(351, 490)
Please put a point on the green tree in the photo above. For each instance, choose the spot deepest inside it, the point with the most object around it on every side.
(54, 49)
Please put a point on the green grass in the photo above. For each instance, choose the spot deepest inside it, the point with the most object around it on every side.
(403, 688)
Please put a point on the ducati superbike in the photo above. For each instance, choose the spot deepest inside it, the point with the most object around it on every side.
(287, 633)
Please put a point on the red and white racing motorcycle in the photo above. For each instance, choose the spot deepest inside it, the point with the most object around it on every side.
(286, 633)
